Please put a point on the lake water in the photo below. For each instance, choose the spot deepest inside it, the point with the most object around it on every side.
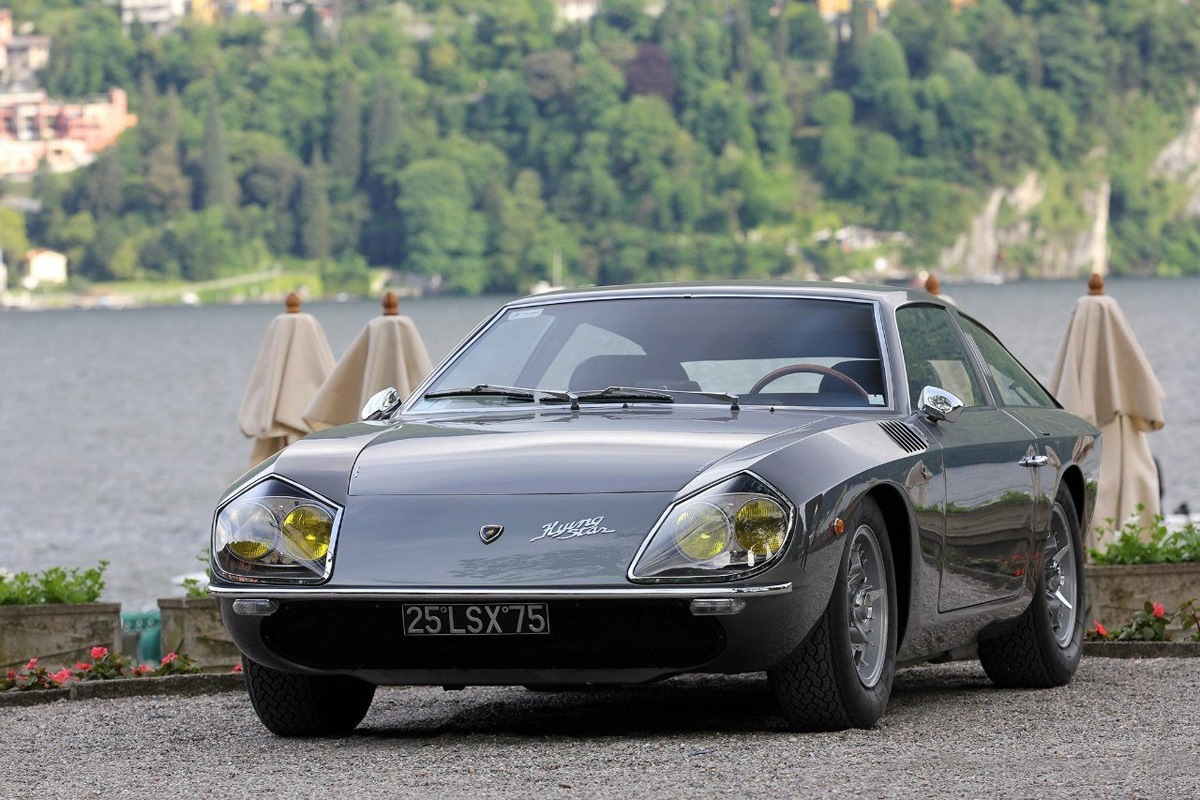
(118, 429)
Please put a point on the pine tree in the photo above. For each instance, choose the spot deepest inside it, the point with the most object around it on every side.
(216, 179)
(346, 138)
(312, 212)
(385, 117)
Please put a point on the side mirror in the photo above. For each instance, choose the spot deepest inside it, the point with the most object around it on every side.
(938, 405)
(381, 404)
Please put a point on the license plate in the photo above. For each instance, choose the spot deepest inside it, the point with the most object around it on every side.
(483, 619)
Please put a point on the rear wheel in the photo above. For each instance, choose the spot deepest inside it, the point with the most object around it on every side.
(306, 705)
(841, 676)
(1044, 646)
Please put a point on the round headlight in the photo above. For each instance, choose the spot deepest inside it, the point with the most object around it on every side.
(761, 526)
(307, 531)
(701, 531)
(248, 530)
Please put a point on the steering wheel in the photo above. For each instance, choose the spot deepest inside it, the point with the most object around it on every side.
(792, 369)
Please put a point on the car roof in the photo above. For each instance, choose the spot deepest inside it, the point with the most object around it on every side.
(885, 295)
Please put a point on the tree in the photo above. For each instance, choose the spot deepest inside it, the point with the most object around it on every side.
(216, 180)
(808, 35)
(346, 139)
(273, 182)
(443, 233)
(927, 30)
(168, 191)
(774, 117)
(650, 73)
(103, 186)
(91, 54)
(312, 212)
(880, 64)
(549, 75)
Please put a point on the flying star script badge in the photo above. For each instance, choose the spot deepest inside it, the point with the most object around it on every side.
(590, 526)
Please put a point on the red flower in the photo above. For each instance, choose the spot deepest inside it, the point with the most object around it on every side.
(82, 666)
(168, 658)
(62, 676)
(142, 669)
(1159, 611)
(12, 675)
(236, 668)
(32, 664)
(99, 652)
(1100, 629)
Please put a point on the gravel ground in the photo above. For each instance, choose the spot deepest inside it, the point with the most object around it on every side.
(1122, 729)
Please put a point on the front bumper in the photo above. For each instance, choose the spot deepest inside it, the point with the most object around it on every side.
(630, 635)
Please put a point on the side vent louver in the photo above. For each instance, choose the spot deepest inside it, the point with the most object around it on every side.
(904, 436)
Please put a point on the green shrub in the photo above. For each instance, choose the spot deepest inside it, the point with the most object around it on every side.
(1135, 544)
(55, 585)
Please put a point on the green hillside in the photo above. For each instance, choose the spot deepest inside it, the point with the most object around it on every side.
(467, 142)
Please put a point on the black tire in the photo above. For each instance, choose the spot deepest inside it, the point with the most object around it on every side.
(306, 705)
(827, 684)
(1043, 648)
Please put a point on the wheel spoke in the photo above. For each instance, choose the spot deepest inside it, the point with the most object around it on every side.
(866, 601)
(1064, 601)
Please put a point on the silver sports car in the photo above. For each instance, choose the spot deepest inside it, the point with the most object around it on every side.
(618, 485)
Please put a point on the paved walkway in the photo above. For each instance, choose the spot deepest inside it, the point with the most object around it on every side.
(1122, 729)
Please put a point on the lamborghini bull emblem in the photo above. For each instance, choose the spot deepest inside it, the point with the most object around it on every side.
(490, 533)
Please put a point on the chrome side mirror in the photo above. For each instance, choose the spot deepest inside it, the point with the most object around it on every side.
(938, 405)
(381, 404)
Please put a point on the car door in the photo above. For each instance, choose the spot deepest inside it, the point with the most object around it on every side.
(1026, 400)
(987, 519)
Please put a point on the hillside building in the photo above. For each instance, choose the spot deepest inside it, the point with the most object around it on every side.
(21, 56)
(44, 267)
(67, 135)
(159, 16)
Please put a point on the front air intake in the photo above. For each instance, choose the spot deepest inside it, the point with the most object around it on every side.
(908, 439)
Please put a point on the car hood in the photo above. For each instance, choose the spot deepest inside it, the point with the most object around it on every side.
(559, 453)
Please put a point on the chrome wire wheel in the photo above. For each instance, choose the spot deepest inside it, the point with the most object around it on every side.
(1061, 578)
(867, 605)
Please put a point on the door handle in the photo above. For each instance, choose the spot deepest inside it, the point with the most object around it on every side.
(1034, 461)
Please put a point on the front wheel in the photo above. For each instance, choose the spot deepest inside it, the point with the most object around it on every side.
(306, 705)
(841, 676)
(1043, 648)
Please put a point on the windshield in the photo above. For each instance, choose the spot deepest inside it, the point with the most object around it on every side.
(763, 350)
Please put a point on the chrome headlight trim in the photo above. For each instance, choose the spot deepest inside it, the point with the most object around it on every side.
(260, 573)
(711, 572)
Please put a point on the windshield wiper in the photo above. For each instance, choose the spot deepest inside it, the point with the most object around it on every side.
(623, 394)
(733, 400)
(514, 392)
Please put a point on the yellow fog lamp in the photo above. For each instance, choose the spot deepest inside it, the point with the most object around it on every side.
(761, 527)
(701, 531)
(247, 531)
(307, 532)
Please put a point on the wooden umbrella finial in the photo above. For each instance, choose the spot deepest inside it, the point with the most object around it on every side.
(1096, 284)
(391, 304)
(933, 285)
(293, 303)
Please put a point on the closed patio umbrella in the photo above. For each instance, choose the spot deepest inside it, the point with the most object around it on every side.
(293, 362)
(388, 352)
(1102, 375)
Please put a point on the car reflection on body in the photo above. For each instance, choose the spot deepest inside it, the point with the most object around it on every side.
(617, 485)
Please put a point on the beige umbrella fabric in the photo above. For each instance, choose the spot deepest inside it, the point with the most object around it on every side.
(388, 352)
(293, 362)
(1102, 375)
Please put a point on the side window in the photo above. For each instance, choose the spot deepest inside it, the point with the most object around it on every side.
(1011, 382)
(934, 354)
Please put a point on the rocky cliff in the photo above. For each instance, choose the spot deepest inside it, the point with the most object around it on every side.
(992, 250)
